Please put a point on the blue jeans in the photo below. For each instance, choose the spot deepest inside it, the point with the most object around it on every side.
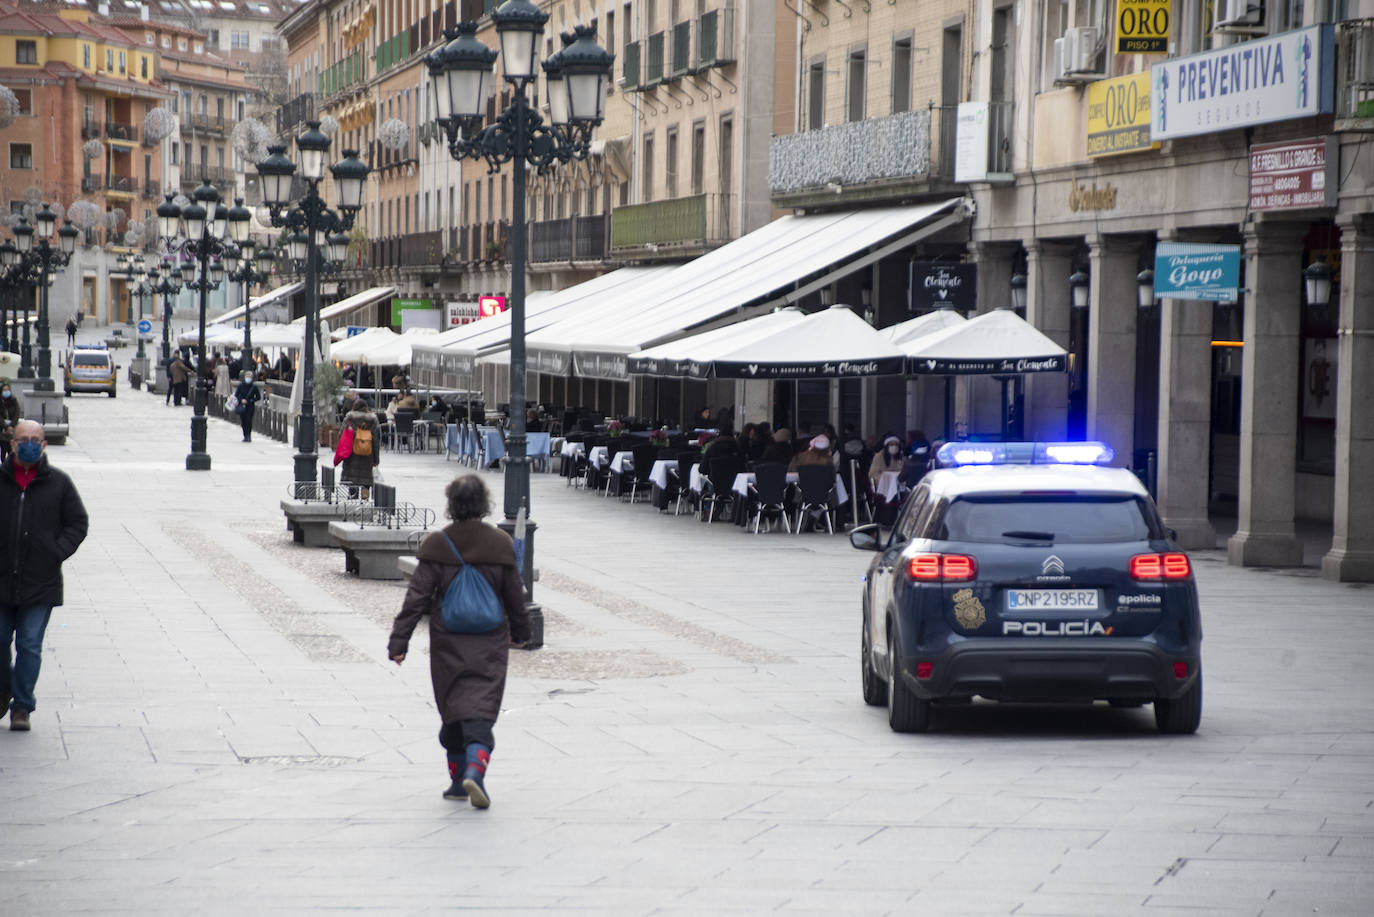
(25, 625)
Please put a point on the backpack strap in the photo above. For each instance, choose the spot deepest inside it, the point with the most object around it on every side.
(453, 547)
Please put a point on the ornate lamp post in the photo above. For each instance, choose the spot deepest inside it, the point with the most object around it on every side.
(170, 288)
(461, 75)
(244, 269)
(42, 261)
(312, 228)
(203, 221)
(145, 284)
(10, 282)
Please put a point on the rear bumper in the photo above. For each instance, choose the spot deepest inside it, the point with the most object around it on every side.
(78, 385)
(1051, 670)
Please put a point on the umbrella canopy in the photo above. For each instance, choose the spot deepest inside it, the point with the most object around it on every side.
(995, 343)
(929, 323)
(269, 334)
(824, 345)
(395, 351)
(351, 349)
(691, 355)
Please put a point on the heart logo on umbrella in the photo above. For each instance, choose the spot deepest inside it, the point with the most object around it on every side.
(753, 369)
(930, 364)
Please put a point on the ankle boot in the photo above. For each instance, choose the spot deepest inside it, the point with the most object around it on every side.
(455, 775)
(474, 773)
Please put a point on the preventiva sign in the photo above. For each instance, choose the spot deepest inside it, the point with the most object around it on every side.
(1290, 75)
(1186, 270)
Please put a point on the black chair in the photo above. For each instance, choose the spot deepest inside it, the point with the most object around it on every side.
(645, 455)
(816, 483)
(405, 428)
(721, 473)
(770, 494)
(685, 462)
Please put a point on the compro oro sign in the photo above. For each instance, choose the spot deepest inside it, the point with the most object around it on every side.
(1186, 270)
(1289, 75)
(1119, 115)
(1142, 26)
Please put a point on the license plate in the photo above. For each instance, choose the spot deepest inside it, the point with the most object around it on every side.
(1051, 599)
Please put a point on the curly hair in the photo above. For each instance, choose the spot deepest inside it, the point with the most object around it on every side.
(468, 498)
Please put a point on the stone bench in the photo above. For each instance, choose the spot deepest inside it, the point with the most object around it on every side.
(406, 564)
(374, 552)
(309, 521)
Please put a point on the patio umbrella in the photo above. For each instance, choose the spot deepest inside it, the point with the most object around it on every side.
(831, 344)
(686, 356)
(929, 323)
(350, 349)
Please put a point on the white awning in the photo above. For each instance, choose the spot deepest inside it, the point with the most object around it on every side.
(831, 344)
(919, 327)
(352, 303)
(999, 342)
(349, 349)
(267, 334)
(688, 356)
(776, 264)
(395, 351)
(271, 296)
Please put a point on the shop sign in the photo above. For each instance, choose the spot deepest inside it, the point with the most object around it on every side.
(550, 362)
(401, 305)
(1119, 115)
(487, 306)
(460, 313)
(971, 142)
(1142, 26)
(1293, 175)
(601, 365)
(1319, 378)
(1285, 76)
(1187, 270)
(1091, 197)
(940, 285)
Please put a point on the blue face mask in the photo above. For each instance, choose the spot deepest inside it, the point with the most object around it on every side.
(28, 451)
(7, 394)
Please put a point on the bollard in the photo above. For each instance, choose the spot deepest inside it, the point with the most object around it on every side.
(326, 478)
(384, 496)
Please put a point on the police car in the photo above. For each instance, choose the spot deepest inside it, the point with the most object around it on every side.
(1029, 572)
(89, 369)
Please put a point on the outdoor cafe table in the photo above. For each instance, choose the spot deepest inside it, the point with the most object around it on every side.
(493, 447)
(537, 448)
(568, 456)
(889, 487)
(622, 464)
(744, 479)
(658, 475)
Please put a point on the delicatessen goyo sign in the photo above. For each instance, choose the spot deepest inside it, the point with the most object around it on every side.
(1293, 175)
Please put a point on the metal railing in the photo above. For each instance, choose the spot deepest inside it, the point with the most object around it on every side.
(117, 131)
(91, 130)
(207, 122)
(402, 515)
(152, 188)
(121, 183)
(569, 239)
(297, 111)
(92, 183)
(875, 149)
(699, 221)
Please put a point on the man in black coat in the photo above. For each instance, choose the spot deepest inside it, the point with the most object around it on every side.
(42, 522)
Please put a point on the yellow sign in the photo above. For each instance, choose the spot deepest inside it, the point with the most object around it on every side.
(1119, 115)
(1142, 26)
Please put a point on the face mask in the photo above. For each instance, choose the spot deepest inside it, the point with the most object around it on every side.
(28, 452)
(7, 394)
(247, 378)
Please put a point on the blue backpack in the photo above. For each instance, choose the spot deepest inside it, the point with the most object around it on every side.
(470, 605)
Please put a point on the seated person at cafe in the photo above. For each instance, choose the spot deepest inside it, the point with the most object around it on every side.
(436, 405)
(703, 420)
(779, 448)
(889, 459)
(817, 453)
(723, 446)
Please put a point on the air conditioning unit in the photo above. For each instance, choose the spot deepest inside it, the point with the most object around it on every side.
(1080, 52)
(1239, 16)
(1060, 74)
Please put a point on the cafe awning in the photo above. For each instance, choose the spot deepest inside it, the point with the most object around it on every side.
(257, 302)
(921, 326)
(350, 349)
(691, 356)
(345, 307)
(999, 342)
(831, 344)
(777, 264)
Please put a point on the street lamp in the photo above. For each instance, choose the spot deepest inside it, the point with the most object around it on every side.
(1078, 289)
(203, 226)
(309, 223)
(461, 75)
(1316, 279)
(243, 270)
(1145, 288)
(169, 288)
(144, 284)
(37, 264)
(1018, 294)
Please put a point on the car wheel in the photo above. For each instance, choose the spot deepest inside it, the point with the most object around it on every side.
(1181, 715)
(112, 393)
(1126, 702)
(905, 711)
(874, 688)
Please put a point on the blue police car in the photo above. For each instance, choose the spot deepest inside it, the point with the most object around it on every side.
(1029, 572)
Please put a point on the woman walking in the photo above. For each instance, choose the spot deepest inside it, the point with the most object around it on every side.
(358, 465)
(468, 670)
(10, 413)
(248, 396)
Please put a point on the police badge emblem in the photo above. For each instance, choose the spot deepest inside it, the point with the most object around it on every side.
(968, 611)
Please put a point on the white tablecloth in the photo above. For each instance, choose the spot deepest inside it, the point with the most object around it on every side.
(888, 486)
(623, 463)
(661, 470)
(694, 480)
(597, 457)
(745, 478)
(571, 449)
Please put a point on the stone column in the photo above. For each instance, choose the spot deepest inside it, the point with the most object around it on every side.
(1049, 265)
(994, 260)
(1269, 399)
(1351, 558)
(1185, 419)
(1112, 299)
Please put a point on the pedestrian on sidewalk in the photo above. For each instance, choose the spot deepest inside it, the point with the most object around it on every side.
(468, 670)
(71, 333)
(358, 465)
(248, 396)
(179, 374)
(10, 413)
(42, 522)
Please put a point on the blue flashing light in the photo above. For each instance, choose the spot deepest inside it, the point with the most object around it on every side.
(953, 455)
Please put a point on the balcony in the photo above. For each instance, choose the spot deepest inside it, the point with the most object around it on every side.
(569, 239)
(422, 249)
(124, 184)
(297, 111)
(632, 72)
(92, 183)
(92, 130)
(152, 188)
(219, 176)
(207, 123)
(678, 227)
(870, 158)
(1355, 69)
(116, 131)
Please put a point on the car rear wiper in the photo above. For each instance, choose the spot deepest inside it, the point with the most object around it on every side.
(1030, 536)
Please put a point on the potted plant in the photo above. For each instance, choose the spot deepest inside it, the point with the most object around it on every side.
(615, 428)
(659, 438)
(329, 385)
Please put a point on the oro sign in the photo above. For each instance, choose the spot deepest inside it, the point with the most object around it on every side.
(1142, 26)
(487, 306)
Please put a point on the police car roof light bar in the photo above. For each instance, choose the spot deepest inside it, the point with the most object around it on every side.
(952, 455)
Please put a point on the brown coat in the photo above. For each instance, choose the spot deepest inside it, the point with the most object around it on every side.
(178, 371)
(468, 670)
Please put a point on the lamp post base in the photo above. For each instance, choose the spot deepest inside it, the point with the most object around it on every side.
(532, 608)
(306, 469)
(43, 385)
(198, 461)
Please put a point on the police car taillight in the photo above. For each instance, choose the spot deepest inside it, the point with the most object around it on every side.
(946, 568)
(1160, 567)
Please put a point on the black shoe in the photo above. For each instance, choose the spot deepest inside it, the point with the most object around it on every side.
(456, 790)
(19, 720)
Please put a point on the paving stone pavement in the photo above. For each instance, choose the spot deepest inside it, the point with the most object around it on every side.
(219, 730)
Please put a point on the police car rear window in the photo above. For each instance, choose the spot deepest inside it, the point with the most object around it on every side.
(1040, 520)
(91, 359)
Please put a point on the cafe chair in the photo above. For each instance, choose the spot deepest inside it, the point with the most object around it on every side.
(721, 473)
(684, 479)
(645, 455)
(770, 495)
(816, 482)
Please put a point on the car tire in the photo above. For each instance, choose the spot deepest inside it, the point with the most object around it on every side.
(112, 393)
(874, 688)
(1183, 714)
(1125, 703)
(905, 711)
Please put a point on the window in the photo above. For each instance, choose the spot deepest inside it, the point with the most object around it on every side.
(854, 96)
(219, 108)
(815, 92)
(219, 156)
(181, 44)
(173, 148)
(212, 37)
(670, 164)
(1066, 520)
(166, 42)
(143, 67)
(698, 156)
(610, 29)
(240, 41)
(149, 39)
(21, 156)
(109, 59)
(121, 62)
(26, 52)
(646, 188)
(86, 56)
(25, 97)
(901, 75)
